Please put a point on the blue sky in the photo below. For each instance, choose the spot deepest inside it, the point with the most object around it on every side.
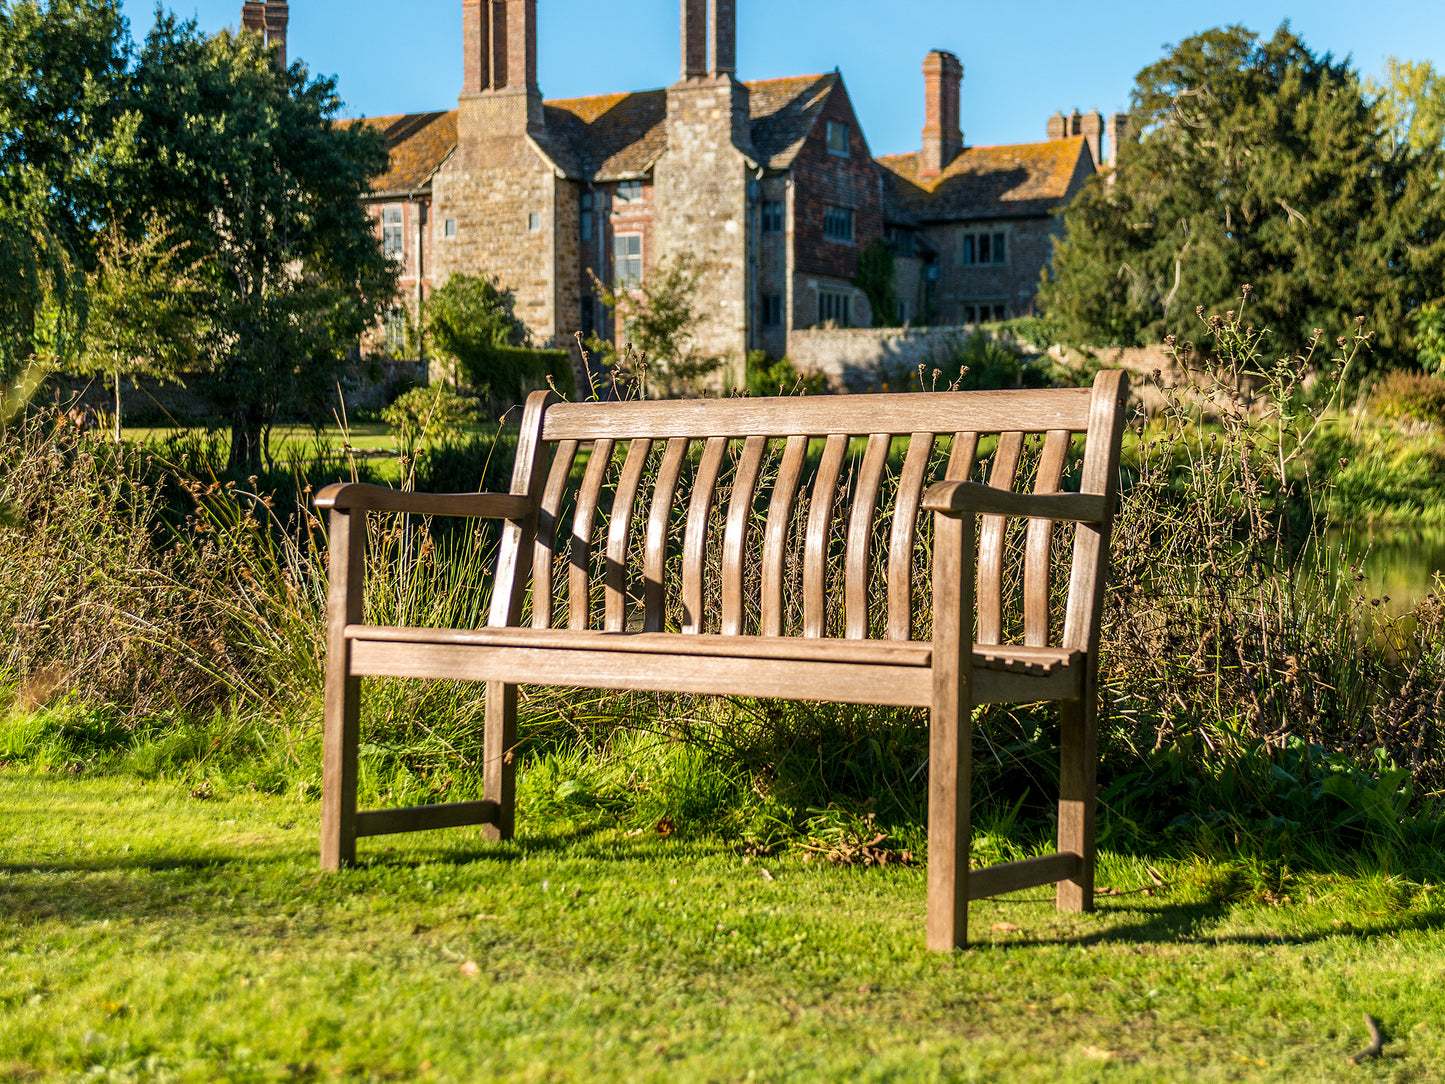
(1022, 60)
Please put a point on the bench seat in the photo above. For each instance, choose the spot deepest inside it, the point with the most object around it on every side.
(790, 667)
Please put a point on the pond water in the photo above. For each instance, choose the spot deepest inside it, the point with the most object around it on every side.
(1402, 566)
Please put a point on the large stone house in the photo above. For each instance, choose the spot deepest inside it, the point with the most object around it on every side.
(770, 183)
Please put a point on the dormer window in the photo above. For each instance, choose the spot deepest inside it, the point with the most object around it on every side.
(838, 138)
(629, 191)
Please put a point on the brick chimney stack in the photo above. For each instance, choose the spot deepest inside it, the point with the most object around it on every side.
(1058, 127)
(1091, 127)
(499, 44)
(278, 15)
(694, 39)
(499, 61)
(1118, 131)
(722, 37)
(253, 16)
(709, 38)
(942, 136)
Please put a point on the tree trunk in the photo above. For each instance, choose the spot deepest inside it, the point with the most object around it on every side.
(247, 427)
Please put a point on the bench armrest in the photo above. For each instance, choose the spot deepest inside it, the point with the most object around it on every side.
(962, 498)
(348, 496)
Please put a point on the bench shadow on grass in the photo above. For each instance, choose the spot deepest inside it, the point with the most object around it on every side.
(1187, 924)
(29, 892)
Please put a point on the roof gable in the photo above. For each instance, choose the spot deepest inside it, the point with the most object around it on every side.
(783, 112)
(989, 182)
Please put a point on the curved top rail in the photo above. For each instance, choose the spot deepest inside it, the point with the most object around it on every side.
(1028, 411)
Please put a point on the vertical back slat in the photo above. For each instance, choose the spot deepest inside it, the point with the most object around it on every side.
(614, 613)
(991, 539)
(815, 547)
(775, 534)
(579, 552)
(860, 536)
(961, 457)
(694, 542)
(1091, 540)
(546, 547)
(905, 529)
(740, 508)
(654, 562)
(514, 557)
(1040, 541)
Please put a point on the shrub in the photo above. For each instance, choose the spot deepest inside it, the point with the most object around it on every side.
(781, 378)
(1406, 396)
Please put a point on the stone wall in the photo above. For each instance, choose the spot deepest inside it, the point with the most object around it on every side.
(492, 186)
(867, 358)
(702, 204)
(961, 288)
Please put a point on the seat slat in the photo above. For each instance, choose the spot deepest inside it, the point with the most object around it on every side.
(694, 544)
(815, 546)
(579, 553)
(860, 536)
(991, 541)
(975, 411)
(775, 533)
(654, 563)
(614, 616)
(881, 652)
(546, 546)
(848, 671)
(904, 531)
(1040, 541)
(1004, 658)
(740, 508)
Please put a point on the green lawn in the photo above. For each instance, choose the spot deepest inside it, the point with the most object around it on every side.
(289, 441)
(152, 935)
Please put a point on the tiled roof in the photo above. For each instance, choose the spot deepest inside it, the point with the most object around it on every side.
(419, 143)
(987, 182)
(783, 113)
(610, 136)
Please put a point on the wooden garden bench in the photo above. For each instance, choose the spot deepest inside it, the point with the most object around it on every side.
(743, 627)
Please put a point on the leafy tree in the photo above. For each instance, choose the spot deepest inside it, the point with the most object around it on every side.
(875, 278)
(1411, 101)
(142, 301)
(658, 319)
(66, 148)
(469, 321)
(247, 165)
(1257, 163)
(67, 132)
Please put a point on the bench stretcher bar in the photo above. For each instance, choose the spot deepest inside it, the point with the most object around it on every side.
(1030, 873)
(420, 818)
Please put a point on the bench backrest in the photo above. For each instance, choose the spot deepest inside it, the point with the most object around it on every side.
(695, 509)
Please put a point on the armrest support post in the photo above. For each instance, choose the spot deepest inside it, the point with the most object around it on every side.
(346, 549)
(950, 737)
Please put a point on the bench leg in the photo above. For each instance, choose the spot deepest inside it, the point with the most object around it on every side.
(950, 770)
(1078, 764)
(499, 771)
(338, 774)
(342, 729)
